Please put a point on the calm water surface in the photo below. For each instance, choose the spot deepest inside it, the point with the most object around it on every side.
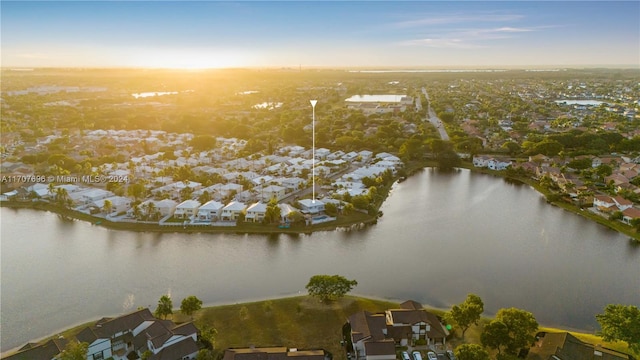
(441, 237)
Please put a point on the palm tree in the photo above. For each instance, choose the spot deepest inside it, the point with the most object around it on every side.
(151, 210)
(62, 196)
(137, 213)
(107, 207)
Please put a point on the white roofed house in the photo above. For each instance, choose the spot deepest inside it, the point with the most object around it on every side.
(210, 211)
(495, 164)
(166, 206)
(187, 209)
(272, 192)
(292, 183)
(285, 211)
(366, 155)
(232, 211)
(119, 204)
(229, 190)
(322, 153)
(311, 206)
(256, 212)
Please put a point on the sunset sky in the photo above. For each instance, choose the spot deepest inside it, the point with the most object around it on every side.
(210, 34)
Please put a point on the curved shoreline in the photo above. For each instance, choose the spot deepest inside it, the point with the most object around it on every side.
(248, 228)
(357, 223)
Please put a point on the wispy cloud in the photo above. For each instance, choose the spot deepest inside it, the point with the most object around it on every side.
(457, 19)
(467, 38)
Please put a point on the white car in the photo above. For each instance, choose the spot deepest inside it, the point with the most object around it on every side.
(432, 356)
(416, 355)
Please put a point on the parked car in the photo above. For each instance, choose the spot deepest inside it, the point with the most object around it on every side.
(432, 356)
(416, 355)
(450, 355)
(405, 356)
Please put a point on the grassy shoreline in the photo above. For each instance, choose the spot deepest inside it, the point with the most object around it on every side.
(303, 322)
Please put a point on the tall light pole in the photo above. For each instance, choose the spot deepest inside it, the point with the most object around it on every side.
(313, 151)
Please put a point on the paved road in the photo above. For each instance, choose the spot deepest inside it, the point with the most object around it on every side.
(433, 119)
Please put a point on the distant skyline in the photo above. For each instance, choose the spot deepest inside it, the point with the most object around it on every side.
(212, 34)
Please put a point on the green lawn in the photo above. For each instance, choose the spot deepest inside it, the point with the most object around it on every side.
(301, 322)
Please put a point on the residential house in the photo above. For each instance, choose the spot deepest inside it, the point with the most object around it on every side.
(399, 327)
(495, 164)
(47, 351)
(136, 333)
(119, 204)
(272, 192)
(365, 155)
(604, 203)
(622, 203)
(187, 209)
(285, 212)
(232, 210)
(481, 161)
(210, 211)
(350, 157)
(322, 153)
(291, 183)
(630, 214)
(274, 353)
(166, 207)
(309, 206)
(256, 212)
(564, 346)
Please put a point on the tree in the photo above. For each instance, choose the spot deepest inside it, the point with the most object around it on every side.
(107, 207)
(75, 351)
(190, 305)
(329, 287)
(273, 212)
(521, 326)
(495, 335)
(165, 307)
(466, 313)
(621, 322)
(331, 209)
(471, 352)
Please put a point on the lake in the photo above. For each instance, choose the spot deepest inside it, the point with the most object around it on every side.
(442, 235)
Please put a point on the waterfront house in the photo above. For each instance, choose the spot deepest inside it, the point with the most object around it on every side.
(47, 351)
(232, 210)
(186, 209)
(622, 203)
(138, 332)
(566, 346)
(604, 203)
(309, 206)
(401, 327)
(630, 214)
(210, 211)
(119, 204)
(256, 212)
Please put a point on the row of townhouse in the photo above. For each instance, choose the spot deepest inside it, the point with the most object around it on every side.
(608, 205)
(125, 337)
(490, 162)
